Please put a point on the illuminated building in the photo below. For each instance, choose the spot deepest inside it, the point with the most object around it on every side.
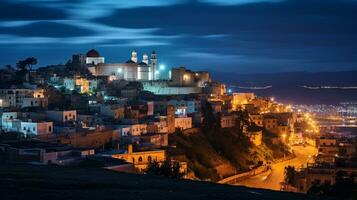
(183, 77)
(22, 97)
(62, 116)
(257, 119)
(228, 121)
(182, 82)
(140, 159)
(93, 57)
(239, 99)
(36, 128)
(183, 123)
(132, 70)
(133, 130)
(214, 89)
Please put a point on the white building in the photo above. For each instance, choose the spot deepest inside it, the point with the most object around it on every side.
(94, 58)
(132, 70)
(22, 97)
(183, 123)
(9, 122)
(36, 128)
(133, 130)
(62, 116)
(113, 111)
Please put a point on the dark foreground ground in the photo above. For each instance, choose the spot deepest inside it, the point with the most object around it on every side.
(51, 183)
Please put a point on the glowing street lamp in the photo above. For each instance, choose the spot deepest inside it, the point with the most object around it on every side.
(162, 67)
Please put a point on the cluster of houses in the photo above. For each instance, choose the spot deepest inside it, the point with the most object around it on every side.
(335, 160)
(108, 118)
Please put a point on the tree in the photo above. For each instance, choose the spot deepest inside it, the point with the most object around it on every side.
(344, 188)
(27, 64)
(24, 67)
(289, 175)
(9, 67)
(210, 120)
(167, 168)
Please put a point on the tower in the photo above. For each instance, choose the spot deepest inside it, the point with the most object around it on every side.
(170, 113)
(154, 64)
(145, 58)
(134, 56)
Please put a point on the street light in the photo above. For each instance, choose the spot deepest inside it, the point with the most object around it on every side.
(162, 67)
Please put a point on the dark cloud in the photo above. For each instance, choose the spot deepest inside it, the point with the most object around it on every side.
(247, 36)
(46, 29)
(22, 11)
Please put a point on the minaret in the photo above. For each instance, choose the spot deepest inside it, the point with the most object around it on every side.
(134, 56)
(154, 64)
(145, 58)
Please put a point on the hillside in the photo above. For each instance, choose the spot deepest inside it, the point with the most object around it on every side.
(51, 182)
(213, 158)
(214, 153)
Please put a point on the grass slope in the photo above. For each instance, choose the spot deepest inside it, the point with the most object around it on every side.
(51, 182)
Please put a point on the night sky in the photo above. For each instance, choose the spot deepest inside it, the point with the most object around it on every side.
(242, 36)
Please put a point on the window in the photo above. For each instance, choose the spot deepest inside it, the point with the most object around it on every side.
(149, 158)
(140, 159)
(49, 128)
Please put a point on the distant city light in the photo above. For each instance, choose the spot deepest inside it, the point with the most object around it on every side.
(229, 90)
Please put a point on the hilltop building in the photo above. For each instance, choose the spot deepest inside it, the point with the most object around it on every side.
(131, 70)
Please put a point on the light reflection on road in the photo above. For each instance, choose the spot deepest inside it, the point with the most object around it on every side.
(272, 178)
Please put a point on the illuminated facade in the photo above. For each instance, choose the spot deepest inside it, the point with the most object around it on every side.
(141, 159)
(183, 77)
(132, 70)
(239, 99)
(22, 97)
(93, 57)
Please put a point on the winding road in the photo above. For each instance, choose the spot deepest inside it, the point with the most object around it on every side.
(272, 178)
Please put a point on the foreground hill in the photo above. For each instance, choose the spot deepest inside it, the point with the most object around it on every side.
(51, 182)
(217, 154)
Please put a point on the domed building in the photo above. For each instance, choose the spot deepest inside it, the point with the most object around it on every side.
(131, 70)
(93, 57)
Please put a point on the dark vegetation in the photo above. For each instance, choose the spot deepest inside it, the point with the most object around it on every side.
(290, 175)
(22, 70)
(344, 188)
(167, 169)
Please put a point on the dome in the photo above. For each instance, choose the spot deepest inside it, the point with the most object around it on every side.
(130, 61)
(93, 53)
(143, 64)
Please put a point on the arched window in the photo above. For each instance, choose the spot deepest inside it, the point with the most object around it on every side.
(133, 160)
(140, 159)
(149, 159)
